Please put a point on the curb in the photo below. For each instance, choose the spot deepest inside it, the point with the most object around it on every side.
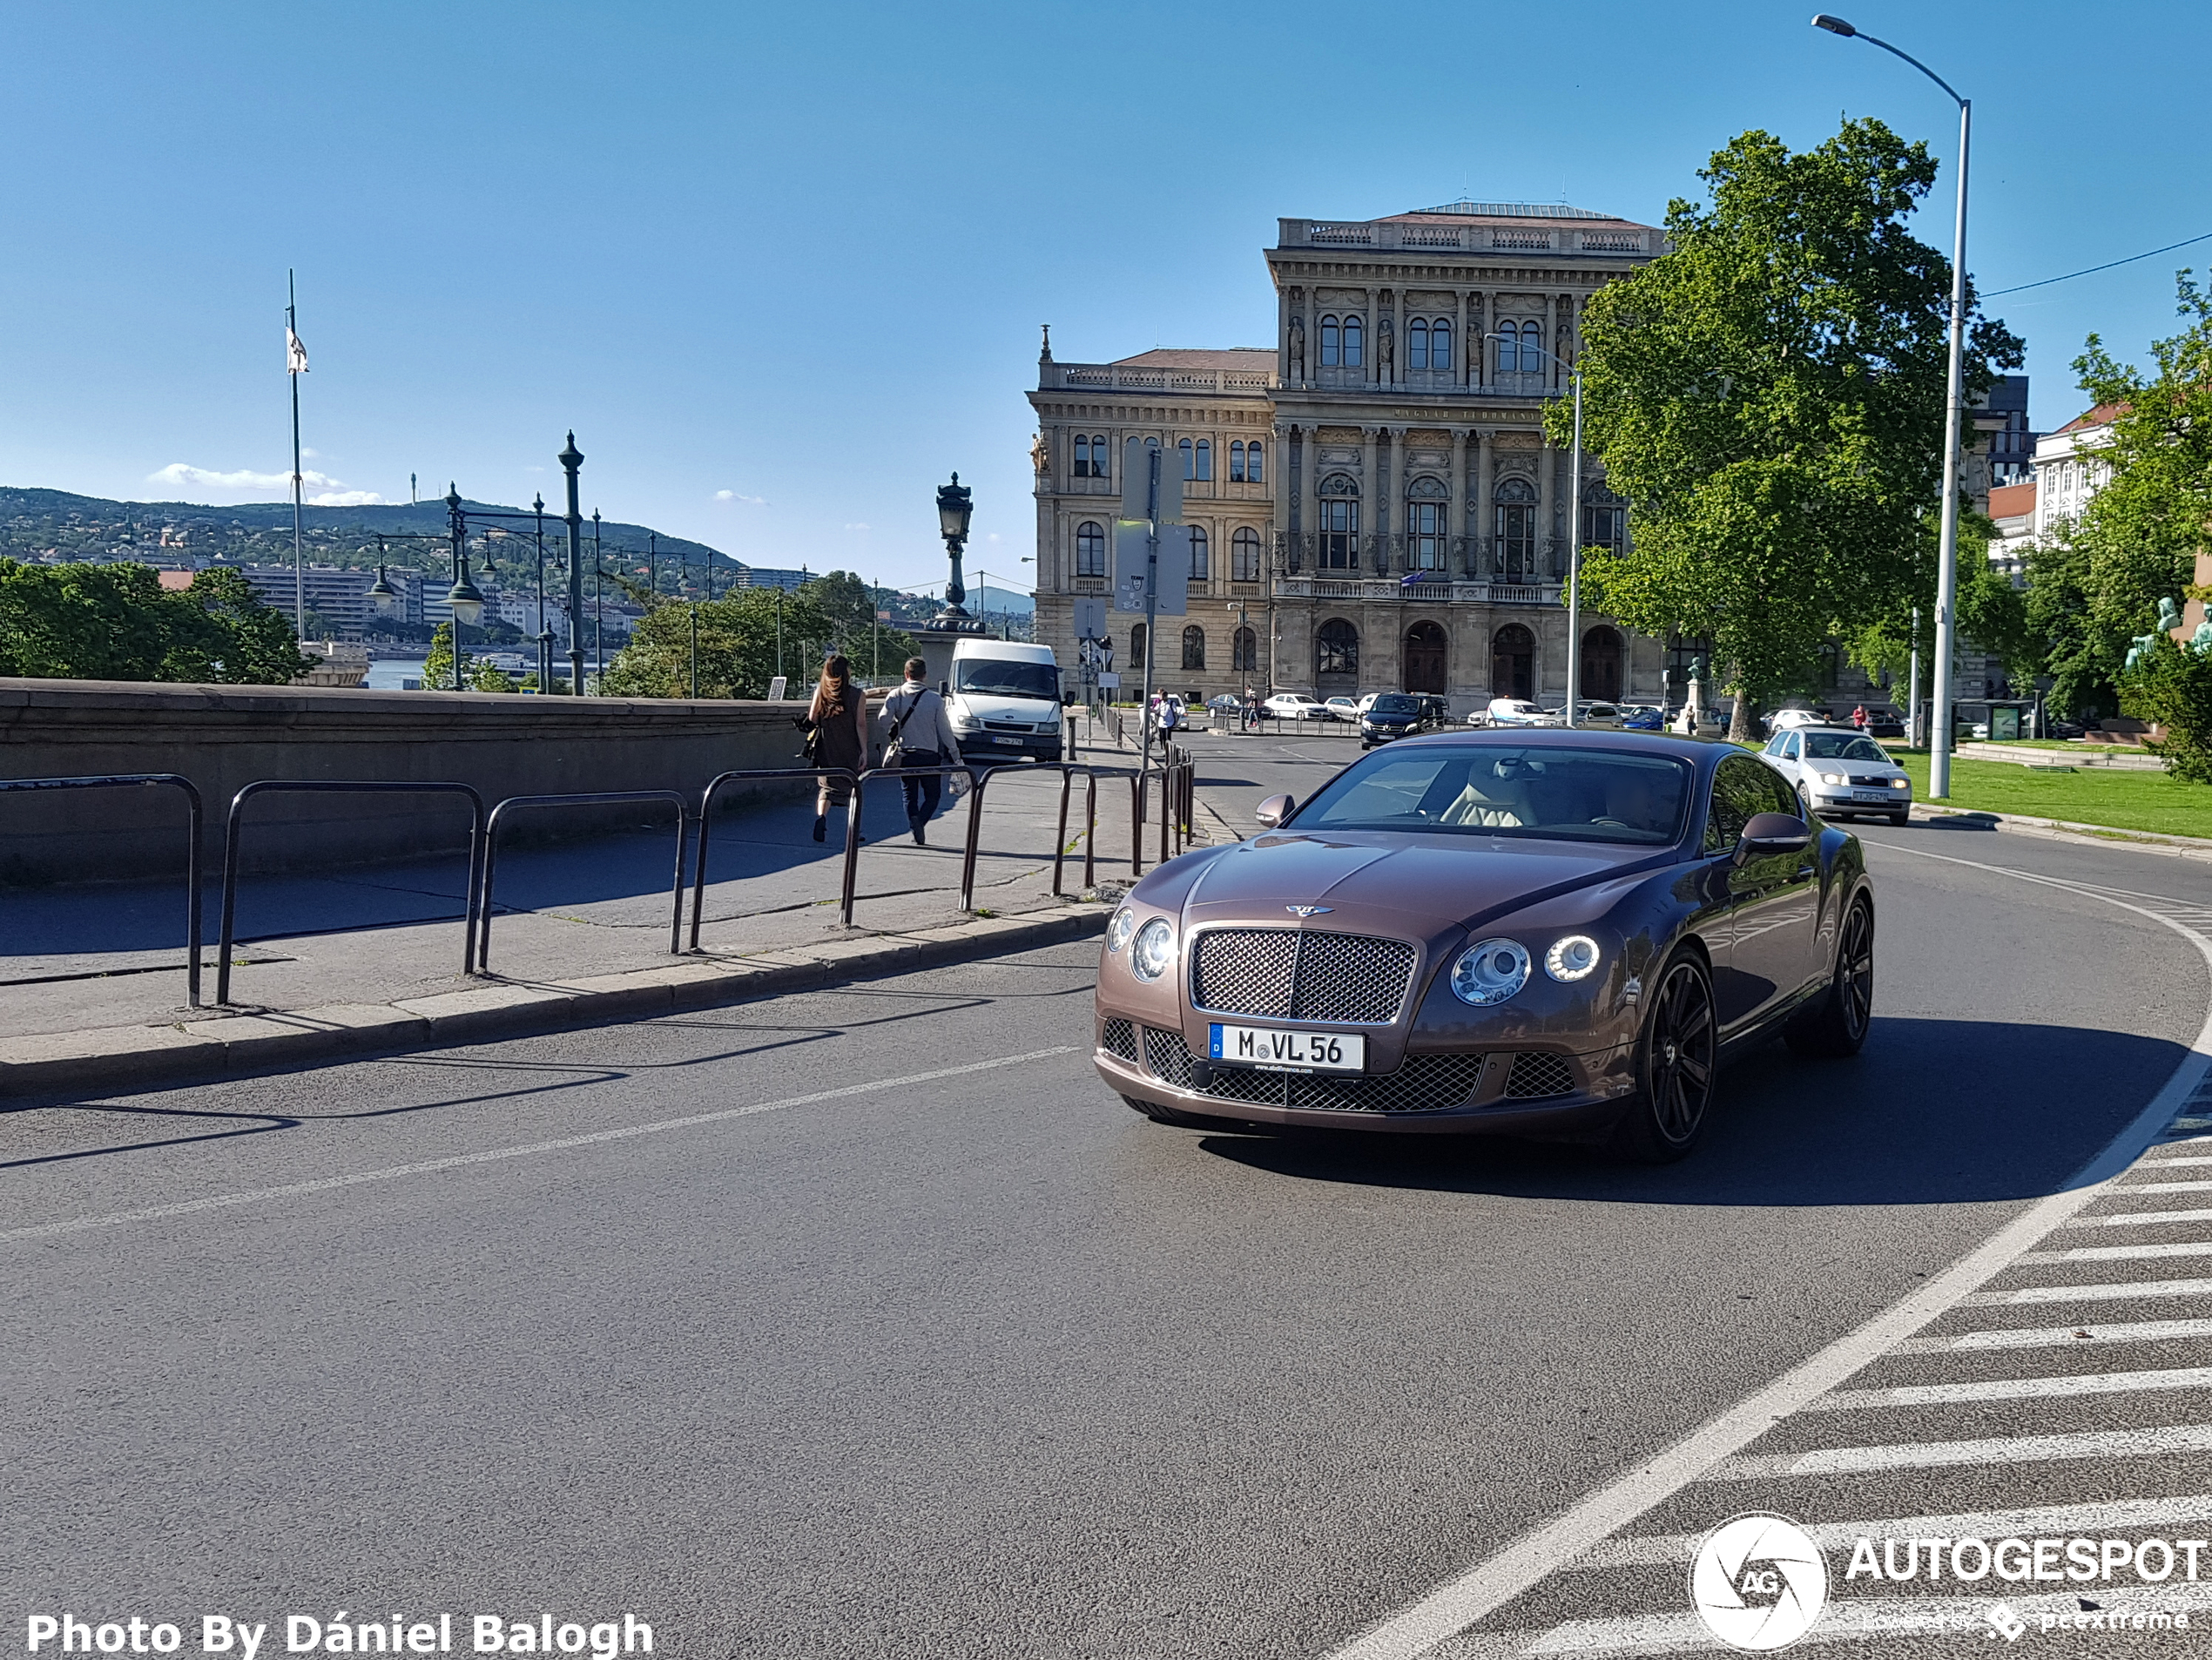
(74, 1064)
(2064, 830)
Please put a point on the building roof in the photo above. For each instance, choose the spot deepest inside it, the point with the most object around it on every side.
(2012, 501)
(1173, 357)
(2099, 416)
(1509, 210)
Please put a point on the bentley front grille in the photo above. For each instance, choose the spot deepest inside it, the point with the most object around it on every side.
(1301, 974)
(1421, 1084)
(1119, 1040)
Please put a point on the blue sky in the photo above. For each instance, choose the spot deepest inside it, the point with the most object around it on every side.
(782, 267)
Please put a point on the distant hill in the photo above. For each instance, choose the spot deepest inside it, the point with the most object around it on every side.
(36, 522)
(1000, 599)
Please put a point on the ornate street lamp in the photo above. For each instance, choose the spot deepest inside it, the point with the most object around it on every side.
(954, 507)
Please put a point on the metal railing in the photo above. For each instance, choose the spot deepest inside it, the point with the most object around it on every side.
(128, 780)
(596, 798)
(976, 780)
(319, 787)
(706, 819)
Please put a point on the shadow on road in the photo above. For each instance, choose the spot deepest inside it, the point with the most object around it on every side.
(1933, 1112)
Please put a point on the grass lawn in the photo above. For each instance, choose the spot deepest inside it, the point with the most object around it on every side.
(2094, 795)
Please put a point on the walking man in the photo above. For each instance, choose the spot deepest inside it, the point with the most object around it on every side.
(917, 732)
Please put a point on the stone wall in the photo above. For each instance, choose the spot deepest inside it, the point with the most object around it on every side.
(225, 737)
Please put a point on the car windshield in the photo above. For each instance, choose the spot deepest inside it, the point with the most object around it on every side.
(1394, 703)
(1489, 790)
(1834, 746)
(995, 677)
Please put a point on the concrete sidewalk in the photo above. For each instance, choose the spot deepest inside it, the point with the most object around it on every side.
(372, 956)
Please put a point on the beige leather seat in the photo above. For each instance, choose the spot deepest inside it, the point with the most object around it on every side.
(1488, 803)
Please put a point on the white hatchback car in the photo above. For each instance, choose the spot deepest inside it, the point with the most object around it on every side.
(1297, 705)
(1842, 773)
(1515, 711)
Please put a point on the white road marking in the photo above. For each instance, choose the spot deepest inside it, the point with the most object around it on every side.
(2140, 1218)
(2042, 1336)
(2120, 1515)
(2089, 1293)
(2165, 1187)
(2162, 1163)
(2163, 1441)
(429, 1166)
(2119, 1253)
(1488, 1585)
(2070, 1383)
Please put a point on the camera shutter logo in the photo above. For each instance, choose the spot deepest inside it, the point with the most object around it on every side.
(1758, 1582)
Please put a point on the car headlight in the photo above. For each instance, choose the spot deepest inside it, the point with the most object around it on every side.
(1834, 778)
(1154, 949)
(1573, 958)
(1120, 928)
(1900, 784)
(962, 721)
(1489, 972)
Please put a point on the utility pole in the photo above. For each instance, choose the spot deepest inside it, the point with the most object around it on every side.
(1151, 595)
(571, 459)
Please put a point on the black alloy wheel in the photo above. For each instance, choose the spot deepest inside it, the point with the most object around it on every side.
(1679, 1063)
(1838, 1024)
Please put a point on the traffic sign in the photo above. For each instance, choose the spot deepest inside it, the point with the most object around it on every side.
(1136, 481)
(1132, 549)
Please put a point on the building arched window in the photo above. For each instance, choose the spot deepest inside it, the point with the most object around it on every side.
(1354, 339)
(1605, 520)
(1183, 448)
(1136, 649)
(1205, 459)
(1255, 469)
(1417, 344)
(1516, 530)
(1440, 344)
(1336, 648)
(1236, 461)
(1194, 647)
(1082, 457)
(1244, 650)
(1339, 514)
(1532, 348)
(1508, 343)
(1201, 555)
(1091, 549)
(1331, 350)
(1427, 519)
(1243, 555)
(1090, 457)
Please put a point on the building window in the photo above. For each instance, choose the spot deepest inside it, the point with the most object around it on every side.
(1082, 457)
(1237, 461)
(1440, 344)
(1201, 555)
(1136, 648)
(1255, 472)
(1243, 555)
(1352, 343)
(1205, 460)
(1337, 648)
(1194, 647)
(1508, 350)
(1183, 448)
(1417, 344)
(1091, 456)
(1532, 348)
(1605, 522)
(1091, 549)
(1329, 350)
(1516, 530)
(1425, 536)
(1244, 650)
(1339, 523)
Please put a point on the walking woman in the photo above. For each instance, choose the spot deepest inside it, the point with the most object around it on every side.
(839, 717)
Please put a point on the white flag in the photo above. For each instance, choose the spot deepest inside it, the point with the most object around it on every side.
(295, 355)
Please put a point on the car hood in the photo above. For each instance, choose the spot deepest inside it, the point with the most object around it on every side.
(984, 705)
(1412, 887)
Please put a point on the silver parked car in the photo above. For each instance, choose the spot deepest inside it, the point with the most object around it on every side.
(1842, 773)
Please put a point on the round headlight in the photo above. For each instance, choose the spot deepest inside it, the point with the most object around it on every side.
(1571, 959)
(1120, 928)
(1154, 949)
(1489, 972)
(1834, 778)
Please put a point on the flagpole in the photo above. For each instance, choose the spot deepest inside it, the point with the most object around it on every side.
(298, 565)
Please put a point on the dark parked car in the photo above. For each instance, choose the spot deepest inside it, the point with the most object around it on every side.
(1393, 714)
(1532, 932)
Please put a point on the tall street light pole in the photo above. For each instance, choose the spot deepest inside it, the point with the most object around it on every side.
(1947, 550)
(1573, 536)
(571, 458)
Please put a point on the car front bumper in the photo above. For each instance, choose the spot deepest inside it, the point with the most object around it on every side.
(1009, 745)
(1827, 799)
(1432, 1092)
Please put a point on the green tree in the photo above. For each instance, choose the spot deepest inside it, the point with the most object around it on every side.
(851, 603)
(83, 621)
(2171, 686)
(438, 663)
(486, 677)
(240, 638)
(737, 647)
(1769, 396)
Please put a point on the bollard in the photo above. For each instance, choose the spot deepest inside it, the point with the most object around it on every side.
(1135, 826)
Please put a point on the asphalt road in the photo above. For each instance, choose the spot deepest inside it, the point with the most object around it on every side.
(914, 1341)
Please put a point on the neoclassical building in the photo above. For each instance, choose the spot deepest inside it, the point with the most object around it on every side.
(1373, 501)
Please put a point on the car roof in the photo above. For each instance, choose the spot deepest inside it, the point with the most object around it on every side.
(1696, 751)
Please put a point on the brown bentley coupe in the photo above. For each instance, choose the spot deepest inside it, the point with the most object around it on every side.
(1554, 932)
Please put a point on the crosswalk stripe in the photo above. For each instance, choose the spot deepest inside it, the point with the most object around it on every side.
(2119, 1515)
(2000, 1449)
(2069, 1383)
(2059, 1336)
(2140, 1218)
(2162, 1187)
(2089, 1293)
(2163, 1164)
(2117, 1253)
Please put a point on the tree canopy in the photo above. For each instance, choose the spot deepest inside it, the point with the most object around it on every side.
(1768, 396)
(116, 622)
(851, 604)
(737, 647)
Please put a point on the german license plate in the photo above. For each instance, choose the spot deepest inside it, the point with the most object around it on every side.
(1262, 1046)
(1015, 742)
(1870, 795)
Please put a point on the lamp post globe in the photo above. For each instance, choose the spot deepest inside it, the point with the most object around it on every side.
(954, 507)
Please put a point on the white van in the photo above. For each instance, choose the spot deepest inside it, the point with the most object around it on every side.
(1004, 699)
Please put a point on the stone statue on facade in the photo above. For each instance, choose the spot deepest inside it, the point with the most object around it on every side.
(2169, 616)
(1297, 348)
(1383, 348)
(1041, 455)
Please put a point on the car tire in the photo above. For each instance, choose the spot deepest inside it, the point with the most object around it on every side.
(1681, 1041)
(1178, 1118)
(1837, 1024)
(1805, 800)
(1900, 819)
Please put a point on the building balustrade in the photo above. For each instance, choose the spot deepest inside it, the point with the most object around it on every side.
(1109, 377)
(1453, 592)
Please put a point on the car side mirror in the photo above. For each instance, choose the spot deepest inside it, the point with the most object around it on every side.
(1274, 810)
(1769, 833)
